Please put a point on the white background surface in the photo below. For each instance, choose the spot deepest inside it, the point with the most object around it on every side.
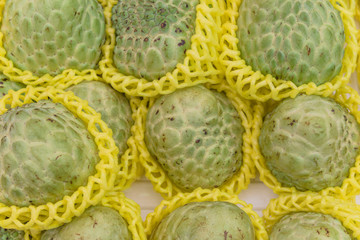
(257, 193)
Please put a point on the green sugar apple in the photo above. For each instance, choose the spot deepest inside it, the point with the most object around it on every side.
(11, 234)
(45, 154)
(310, 142)
(152, 36)
(196, 136)
(296, 40)
(96, 223)
(205, 221)
(113, 106)
(309, 225)
(49, 36)
(6, 85)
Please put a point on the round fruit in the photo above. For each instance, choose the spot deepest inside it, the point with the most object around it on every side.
(49, 36)
(205, 220)
(6, 85)
(45, 154)
(11, 234)
(113, 106)
(96, 223)
(296, 40)
(196, 136)
(152, 36)
(310, 142)
(309, 225)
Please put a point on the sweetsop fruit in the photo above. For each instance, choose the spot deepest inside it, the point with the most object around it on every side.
(45, 154)
(310, 142)
(152, 36)
(96, 223)
(49, 36)
(6, 85)
(113, 106)
(205, 221)
(296, 40)
(11, 234)
(309, 225)
(196, 136)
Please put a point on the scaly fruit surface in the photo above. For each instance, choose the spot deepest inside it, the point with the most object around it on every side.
(152, 36)
(96, 223)
(113, 106)
(11, 234)
(196, 136)
(45, 154)
(296, 40)
(309, 225)
(205, 221)
(6, 85)
(49, 36)
(310, 142)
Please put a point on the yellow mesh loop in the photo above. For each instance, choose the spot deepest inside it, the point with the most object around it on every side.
(153, 170)
(200, 65)
(202, 195)
(26, 77)
(51, 215)
(348, 213)
(256, 86)
(348, 98)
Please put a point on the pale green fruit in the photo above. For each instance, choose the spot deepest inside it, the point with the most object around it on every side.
(6, 85)
(296, 40)
(113, 106)
(11, 234)
(96, 223)
(205, 221)
(196, 136)
(309, 226)
(152, 36)
(45, 154)
(310, 142)
(49, 36)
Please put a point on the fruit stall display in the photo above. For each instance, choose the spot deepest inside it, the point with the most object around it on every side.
(197, 96)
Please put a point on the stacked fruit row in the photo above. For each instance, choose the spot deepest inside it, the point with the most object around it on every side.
(199, 95)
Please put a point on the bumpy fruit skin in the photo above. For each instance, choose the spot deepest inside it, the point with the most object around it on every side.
(49, 36)
(205, 221)
(45, 154)
(310, 142)
(296, 40)
(196, 136)
(152, 36)
(113, 106)
(96, 223)
(11, 234)
(309, 225)
(6, 85)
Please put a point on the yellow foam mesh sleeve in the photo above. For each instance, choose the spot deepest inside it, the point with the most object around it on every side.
(51, 215)
(347, 97)
(254, 85)
(346, 212)
(202, 195)
(26, 77)
(155, 173)
(357, 17)
(200, 65)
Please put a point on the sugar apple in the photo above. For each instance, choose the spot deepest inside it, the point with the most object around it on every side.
(49, 36)
(45, 154)
(96, 223)
(152, 36)
(113, 106)
(310, 142)
(196, 136)
(205, 221)
(11, 234)
(296, 40)
(6, 85)
(309, 225)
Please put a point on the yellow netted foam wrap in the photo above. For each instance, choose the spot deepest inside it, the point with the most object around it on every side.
(200, 65)
(348, 98)
(51, 215)
(346, 212)
(357, 17)
(202, 195)
(153, 170)
(26, 77)
(254, 85)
